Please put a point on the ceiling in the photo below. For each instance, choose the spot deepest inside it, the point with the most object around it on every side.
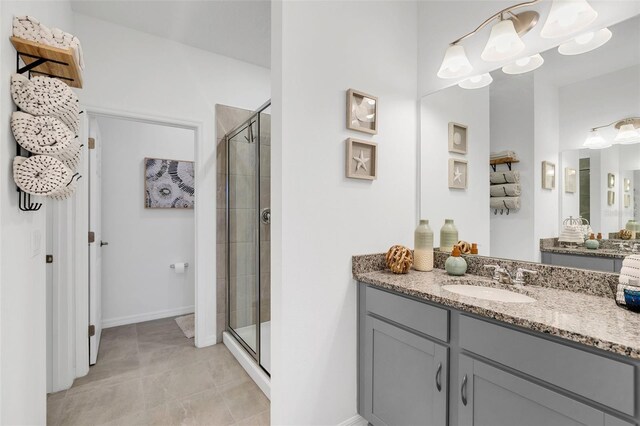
(239, 29)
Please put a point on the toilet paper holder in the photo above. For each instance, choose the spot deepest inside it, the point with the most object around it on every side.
(173, 265)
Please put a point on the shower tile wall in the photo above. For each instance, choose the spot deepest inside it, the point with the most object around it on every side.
(226, 119)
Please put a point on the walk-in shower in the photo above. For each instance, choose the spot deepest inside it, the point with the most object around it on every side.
(248, 217)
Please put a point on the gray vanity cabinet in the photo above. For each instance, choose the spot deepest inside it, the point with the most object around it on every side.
(492, 397)
(593, 263)
(405, 377)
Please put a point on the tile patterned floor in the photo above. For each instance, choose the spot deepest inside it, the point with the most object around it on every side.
(150, 374)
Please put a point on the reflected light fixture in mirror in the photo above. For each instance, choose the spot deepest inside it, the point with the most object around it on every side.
(567, 17)
(476, 82)
(628, 133)
(585, 42)
(455, 63)
(596, 141)
(504, 42)
(522, 65)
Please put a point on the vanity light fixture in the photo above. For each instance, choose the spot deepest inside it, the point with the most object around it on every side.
(585, 42)
(522, 65)
(477, 81)
(567, 17)
(455, 63)
(504, 42)
(628, 133)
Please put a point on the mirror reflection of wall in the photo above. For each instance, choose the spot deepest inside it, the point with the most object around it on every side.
(544, 116)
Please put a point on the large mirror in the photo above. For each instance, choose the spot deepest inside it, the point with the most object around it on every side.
(561, 169)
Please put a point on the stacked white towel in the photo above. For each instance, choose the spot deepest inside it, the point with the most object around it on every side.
(47, 96)
(43, 175)
(497, 178)
(42, 135)
(505, 190)
(629, 277)
(503, 154)
(29, 28)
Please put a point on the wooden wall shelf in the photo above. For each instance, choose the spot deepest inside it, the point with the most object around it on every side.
(504, 160)
(41, 59)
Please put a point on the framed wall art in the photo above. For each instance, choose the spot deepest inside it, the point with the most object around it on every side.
(611, 198)
(361, 159)
(570, 179)
(458, 138)
(362, 112)
(548, 175)
(458, 173)
(611, 180)
(168, 184)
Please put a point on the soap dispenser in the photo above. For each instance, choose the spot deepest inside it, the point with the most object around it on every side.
(455, 264)
(592, 243)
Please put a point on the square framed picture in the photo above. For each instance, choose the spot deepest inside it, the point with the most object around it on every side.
(168, 184)
(570, 179)
(458, 173)
(627, 184)
(611, 180)
(627, 201)
(362, 159)
(611, 198)
(548, 175)
(362, 112)
(458, 138)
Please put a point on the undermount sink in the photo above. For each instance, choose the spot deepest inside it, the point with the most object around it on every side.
(488, 293)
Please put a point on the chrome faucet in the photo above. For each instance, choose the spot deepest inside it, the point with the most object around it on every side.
(519, 281)
(501, 275)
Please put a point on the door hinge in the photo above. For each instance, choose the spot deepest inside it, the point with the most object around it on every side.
(49, 258)
(92, 143)
(92, 237)
(92, 330)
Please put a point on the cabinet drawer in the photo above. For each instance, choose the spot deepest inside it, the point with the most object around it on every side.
(427, 319)
(598, 378)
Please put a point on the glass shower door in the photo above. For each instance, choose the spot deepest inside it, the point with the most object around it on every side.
(243, 239)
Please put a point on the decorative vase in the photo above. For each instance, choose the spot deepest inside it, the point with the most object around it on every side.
(455, 264)
(423, 247)
(448, 236)
(632, 226)
(592, 243)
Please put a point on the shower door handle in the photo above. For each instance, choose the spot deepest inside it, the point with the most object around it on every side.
(265, 216)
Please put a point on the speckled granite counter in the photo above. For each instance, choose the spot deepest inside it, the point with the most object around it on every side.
(608, 249)
(584, 318)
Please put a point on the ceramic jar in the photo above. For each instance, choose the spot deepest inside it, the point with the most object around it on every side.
(448, 236)
(455, 264)
(632, 226)
(423, 247)
(592, 243)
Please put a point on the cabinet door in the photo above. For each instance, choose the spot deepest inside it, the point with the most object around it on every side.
(492, 397)
(405, 377)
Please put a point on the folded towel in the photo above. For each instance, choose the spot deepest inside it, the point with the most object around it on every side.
(511, 203)
(42, 135)
(504, 177)
(629, 277)
(503, 154)
(41, 175)
(44, 96)
(29, 28)
(506, 190)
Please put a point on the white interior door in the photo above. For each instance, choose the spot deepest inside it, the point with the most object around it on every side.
(95, 247)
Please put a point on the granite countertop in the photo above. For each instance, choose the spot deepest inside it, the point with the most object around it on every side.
(584, 318)
(583, 251)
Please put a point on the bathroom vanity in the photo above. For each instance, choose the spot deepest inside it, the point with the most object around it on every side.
(608, 258)
(428, 356)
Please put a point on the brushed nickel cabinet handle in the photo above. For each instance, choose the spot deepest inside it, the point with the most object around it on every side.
(463, 390)
(438, 377)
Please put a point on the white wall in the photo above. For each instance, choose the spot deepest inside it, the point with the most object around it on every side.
(22, 248)
(570, 201)
(178, 82)
(137, 283)
(512, 129)
(317, 56)
(469, 208)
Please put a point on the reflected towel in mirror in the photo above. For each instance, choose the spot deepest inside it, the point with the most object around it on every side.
(506, 190)
(504, 177)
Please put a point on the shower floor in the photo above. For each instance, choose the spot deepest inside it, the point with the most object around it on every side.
(248, 334)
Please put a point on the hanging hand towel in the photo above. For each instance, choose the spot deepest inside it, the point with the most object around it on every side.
(29, 28)
(511, 203)
(506, 190)
(504, 177)
(40, 174)
(46, 96)
(629, 277)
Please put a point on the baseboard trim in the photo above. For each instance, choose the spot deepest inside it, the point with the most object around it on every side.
(149, 316)
(253, 370)
(356, 420)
